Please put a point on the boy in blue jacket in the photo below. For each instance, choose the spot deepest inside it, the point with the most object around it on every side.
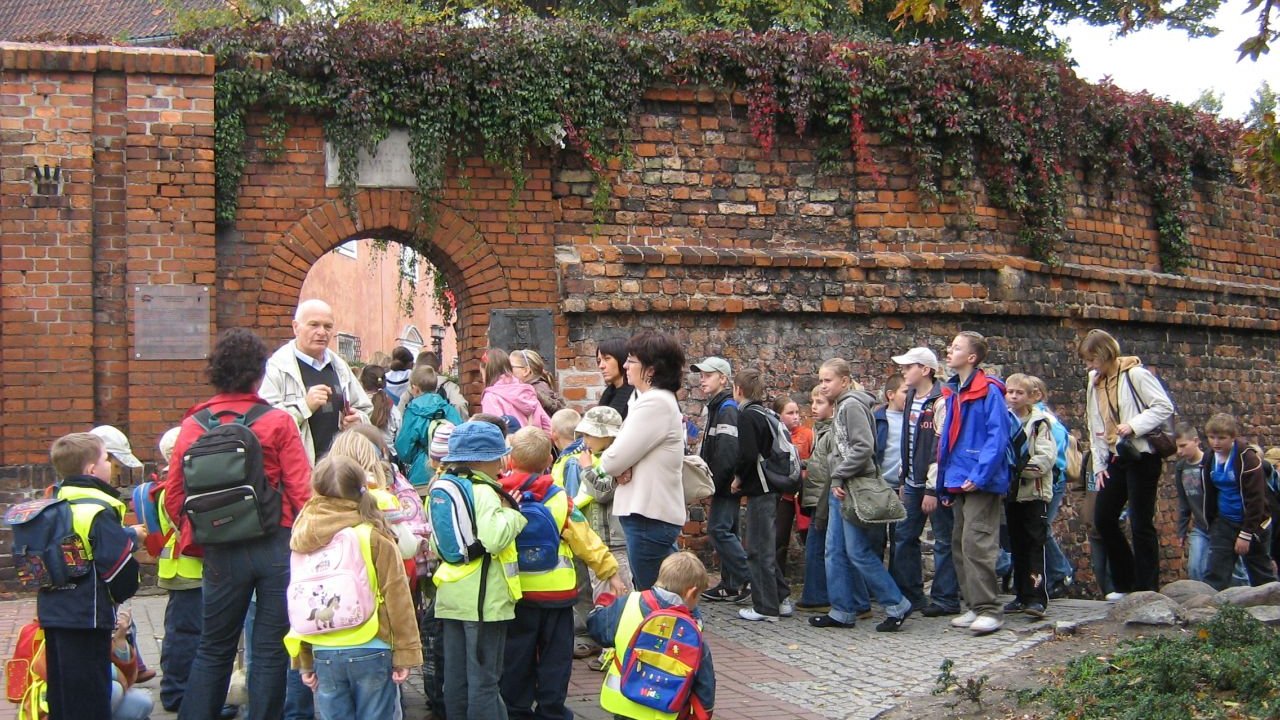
(973, 475)
(681, 579)
(425, 413)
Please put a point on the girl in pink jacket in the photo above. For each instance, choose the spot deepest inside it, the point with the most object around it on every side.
(506, 395)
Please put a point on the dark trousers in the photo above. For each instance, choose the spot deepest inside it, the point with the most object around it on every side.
(232, 574)
(537, 663)
(183, 619)
(784, 522)
(79, 688)
(431, 632)
(768, 586)
(1135, 567)
(1028, 532)
(1222, 556)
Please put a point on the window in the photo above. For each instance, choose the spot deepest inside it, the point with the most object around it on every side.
(348, 249)
(348, 347)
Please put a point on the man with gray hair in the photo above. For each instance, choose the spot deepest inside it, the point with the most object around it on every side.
(312, 383)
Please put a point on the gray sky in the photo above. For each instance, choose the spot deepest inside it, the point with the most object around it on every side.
(1169, 64)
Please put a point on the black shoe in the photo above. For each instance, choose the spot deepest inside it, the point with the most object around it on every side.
(1059, 590)
(826, 621)
(744, 595)
(720, 593)
(228, 712)
(1015, 607)
(936, 610)
(892, 624)
(1035, 610)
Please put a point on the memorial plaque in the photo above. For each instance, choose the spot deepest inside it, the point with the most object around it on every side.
(524, 330)
(170, 322)
(390, 165)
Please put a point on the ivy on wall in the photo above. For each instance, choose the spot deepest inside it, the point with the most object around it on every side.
(960, 113)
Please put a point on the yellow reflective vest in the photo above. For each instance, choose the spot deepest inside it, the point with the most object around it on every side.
(348, 637)
(611, 697)
(170, 565)
(82, 514)
(563, 577)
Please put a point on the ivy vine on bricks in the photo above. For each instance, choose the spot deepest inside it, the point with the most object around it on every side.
(962, 114)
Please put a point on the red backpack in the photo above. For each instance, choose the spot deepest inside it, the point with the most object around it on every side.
(25, 673)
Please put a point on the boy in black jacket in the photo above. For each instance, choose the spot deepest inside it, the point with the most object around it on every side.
(1235, 505)
(769, 590)
(78, 620)
(720, 450)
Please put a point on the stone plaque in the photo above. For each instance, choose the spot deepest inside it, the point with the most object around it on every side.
(170, 322)
(524, 329)
(388, 167)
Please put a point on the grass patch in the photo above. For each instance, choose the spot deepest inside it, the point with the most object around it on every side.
(1227, 668)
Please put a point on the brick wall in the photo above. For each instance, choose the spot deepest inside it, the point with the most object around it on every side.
(779, 259)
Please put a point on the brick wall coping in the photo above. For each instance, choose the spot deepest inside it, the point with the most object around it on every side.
(93, 58)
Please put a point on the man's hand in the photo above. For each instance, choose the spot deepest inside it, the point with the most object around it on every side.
(398, 675)
(968, 486)
(735, 486)
(1242, 546)
(309, 679)
(349, 417)
(317, 395)
(616, 586)
(928, 504)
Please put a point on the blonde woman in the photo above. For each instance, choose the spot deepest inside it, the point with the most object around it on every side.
(529, 368)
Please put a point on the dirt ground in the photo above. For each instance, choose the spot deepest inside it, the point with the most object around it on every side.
(1030, 670)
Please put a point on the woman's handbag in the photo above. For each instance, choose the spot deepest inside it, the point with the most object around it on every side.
(1159, 439)
(869, 500)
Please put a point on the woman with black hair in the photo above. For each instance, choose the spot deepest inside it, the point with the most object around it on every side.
(611, 358)
(647, 456)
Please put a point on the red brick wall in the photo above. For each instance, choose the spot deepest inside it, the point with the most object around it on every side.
(773, 259)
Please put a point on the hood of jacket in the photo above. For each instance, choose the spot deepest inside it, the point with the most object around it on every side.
(516, 479)
(322, 518)
(426, 405)
(1123, 364)
(521, 396)
(861, 396)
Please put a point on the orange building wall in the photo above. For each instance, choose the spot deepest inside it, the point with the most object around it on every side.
(365, 296)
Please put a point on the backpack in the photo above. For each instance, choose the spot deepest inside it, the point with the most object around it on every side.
(1019, 454)
(333, 588)
(1075, 461)
(782, 465)
(145, 506)
(228, 496)
(538, 544)
(47, 552)
(24, 673)
(663, 656)
(695, 476)
(452, 510)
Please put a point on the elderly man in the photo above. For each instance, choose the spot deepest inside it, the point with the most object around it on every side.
(310, 382)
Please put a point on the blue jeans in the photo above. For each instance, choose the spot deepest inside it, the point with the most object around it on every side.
(906, 566)
(355, 684)
(815, 568)
(131, 704)
(855, 570)
(649, 542)
(1198, 560)
(232, 573)
(1058, 567)
(472, 669)
(299, 701)
(722, 530)
(183, 619)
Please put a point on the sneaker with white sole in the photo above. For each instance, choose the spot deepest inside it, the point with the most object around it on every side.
(1115, 596)
(753, 616)
(986, 624)
(964, 620)
(786, 608)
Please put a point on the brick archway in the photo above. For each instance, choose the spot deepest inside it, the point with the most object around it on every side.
(471, 268)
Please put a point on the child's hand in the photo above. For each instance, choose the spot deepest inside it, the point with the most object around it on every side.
(124, 620)
(309, 679)
(399, 675)
(617, 586)
(585, 460)
(1242, 546)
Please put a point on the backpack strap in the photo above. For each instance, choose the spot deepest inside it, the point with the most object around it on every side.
(476, 548)
(210, 420)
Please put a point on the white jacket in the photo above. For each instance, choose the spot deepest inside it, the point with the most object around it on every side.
(1158, 411)
(282, 386)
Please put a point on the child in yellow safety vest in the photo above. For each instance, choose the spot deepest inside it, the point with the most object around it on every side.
(614, 624)
(356, 649)
(538, 657)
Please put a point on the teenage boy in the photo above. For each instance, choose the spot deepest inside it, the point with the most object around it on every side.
(1189, 473)
(769, 589)
(923, 407)
(1235, 504)
(973, 473)
(720, 450)
(79, 622)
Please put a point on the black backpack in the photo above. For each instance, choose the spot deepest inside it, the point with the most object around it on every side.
(228, 497)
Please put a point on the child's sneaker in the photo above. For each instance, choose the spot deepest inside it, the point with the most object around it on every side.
(753, 616)
(986, 624)
(964, 620)
(1035, 610)
(720, 593)
(786, 608)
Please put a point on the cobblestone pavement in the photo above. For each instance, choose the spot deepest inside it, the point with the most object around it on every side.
(780, 671)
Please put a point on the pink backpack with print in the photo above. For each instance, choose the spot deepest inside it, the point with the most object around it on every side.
(331, 589)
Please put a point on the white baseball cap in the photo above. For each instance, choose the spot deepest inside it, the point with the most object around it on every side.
(714, 364)
(918, 356)
(118, 445)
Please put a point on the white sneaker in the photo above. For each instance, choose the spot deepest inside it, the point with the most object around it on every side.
(964, 620)
(1115, 596)
(986, 624)
(753, 616)
(786, 608)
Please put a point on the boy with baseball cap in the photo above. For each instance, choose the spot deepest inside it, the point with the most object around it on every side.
(720, 451)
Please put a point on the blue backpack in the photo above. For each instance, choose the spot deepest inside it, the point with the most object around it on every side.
(538, 544)
(660, 662)
(451, 507)
(47, 552)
